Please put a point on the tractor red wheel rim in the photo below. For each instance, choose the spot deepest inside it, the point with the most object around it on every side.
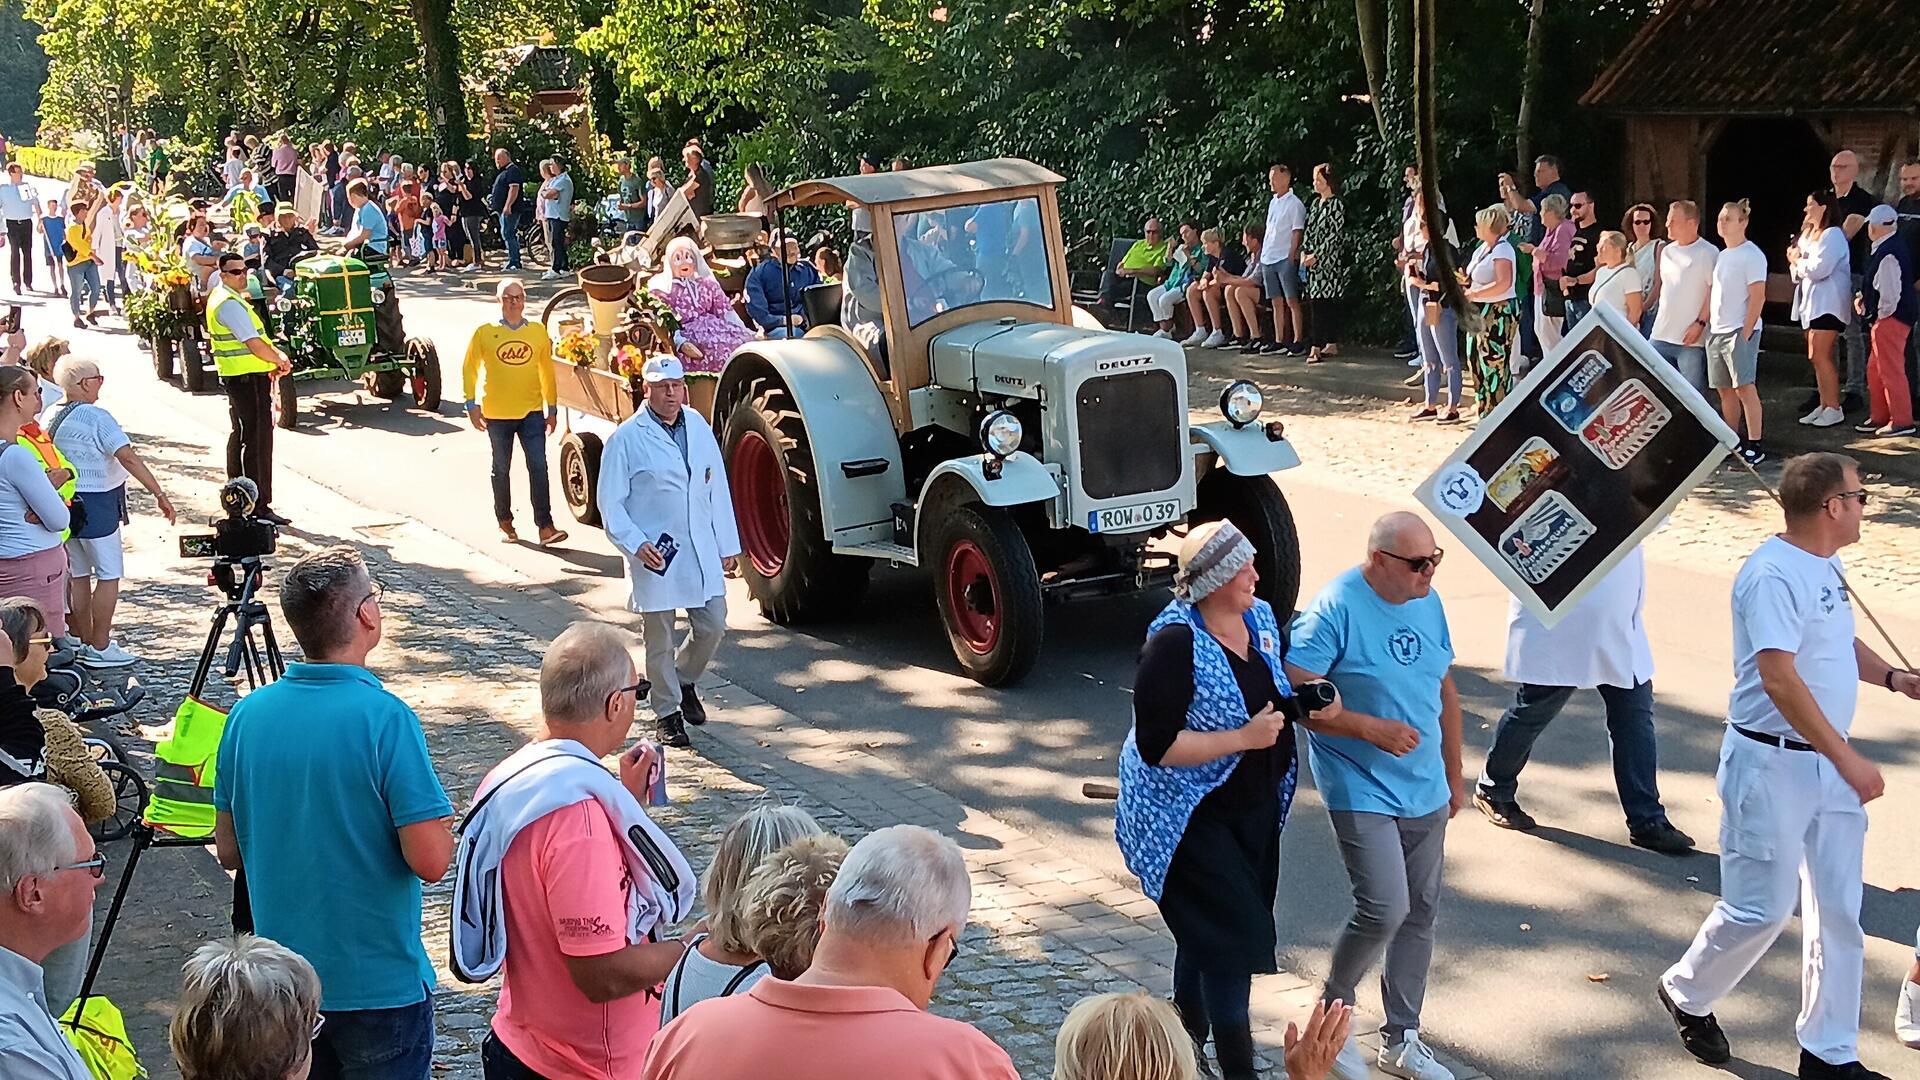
(973, 595)
(760, 503)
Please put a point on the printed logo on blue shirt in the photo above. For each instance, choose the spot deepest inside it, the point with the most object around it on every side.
(1826, 600)
(1404, 644)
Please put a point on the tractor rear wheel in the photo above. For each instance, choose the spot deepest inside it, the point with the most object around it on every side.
(163, 358)
(426, 373)
(286, 403)
(580, 476)
(988, 591)
(1257, 508)
(194, 360)
(789, 564)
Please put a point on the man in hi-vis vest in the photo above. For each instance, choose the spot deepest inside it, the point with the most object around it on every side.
(248, 363)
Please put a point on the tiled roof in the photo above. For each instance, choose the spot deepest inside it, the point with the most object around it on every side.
(534, 68)
(1768, 57)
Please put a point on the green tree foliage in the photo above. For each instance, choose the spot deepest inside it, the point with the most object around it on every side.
(25, 66)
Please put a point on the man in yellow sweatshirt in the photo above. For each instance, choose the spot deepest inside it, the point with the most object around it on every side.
(516, 400)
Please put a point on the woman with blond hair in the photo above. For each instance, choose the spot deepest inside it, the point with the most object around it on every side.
(783, 900)
(1491, 276)
(720, 962)
(249, 1008)
(1616, 281)
(1130, 1036)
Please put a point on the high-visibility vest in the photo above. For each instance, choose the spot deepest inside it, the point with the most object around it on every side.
(230, 355)
(183, 771)
(36, 440)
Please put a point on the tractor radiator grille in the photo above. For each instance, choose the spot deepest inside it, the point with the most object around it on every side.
(1131, 434)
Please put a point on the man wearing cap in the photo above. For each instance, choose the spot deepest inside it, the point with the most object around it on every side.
(288, 243)
(1388, 768)
(1888, 303)
(665, 504)
(775, 286)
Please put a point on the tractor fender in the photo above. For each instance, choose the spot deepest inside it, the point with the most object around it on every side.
(1245, 451)
(1023, 479)
(856, 454)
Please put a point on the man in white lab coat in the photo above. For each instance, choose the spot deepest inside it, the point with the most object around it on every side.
(665, 504)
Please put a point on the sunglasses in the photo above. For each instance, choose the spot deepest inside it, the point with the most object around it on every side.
(1643, 221)
(41, 639)
(638, 690)
(233, 269)
(1860, 494)
(96, 865)
(1420, 564)
(1578, 206)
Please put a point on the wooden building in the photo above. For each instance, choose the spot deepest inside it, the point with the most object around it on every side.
(528, 81)
(1731, 99)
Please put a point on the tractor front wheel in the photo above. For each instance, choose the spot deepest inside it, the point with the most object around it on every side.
(387, 384)
(988, 592)
(580, 476)
(193, 358)
(426, 373)
(286, 403)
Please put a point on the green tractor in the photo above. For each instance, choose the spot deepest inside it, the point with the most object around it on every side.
(341, 320)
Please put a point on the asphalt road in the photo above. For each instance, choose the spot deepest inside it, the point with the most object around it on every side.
(1548, 942)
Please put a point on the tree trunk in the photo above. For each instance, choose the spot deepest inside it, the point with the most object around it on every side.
(1373, 54)
(1529, 91)
(1424, 123)
(440, 49)
(1394, 110)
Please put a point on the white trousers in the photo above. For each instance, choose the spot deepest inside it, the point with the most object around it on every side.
(1788, 822)
(1162, 301)
(1547, 328)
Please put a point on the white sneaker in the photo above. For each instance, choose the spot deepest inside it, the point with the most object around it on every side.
(68, 643)
(1906, 1016)
(1163, 334)
(1215, 340)
(1350, 1063)
(117, 656)
(1828, 417)
(110, 657)
(1194, 339)
(550, 275)
(1411, 1058)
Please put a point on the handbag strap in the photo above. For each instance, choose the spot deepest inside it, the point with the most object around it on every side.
(53, 430)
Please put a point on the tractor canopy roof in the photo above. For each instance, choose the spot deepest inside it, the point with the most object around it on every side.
(878, 189)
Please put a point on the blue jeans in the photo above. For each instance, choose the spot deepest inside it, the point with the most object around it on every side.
(531, 430)
(1529, 341)
(1629, 730)
(1440, 352)
(557, 243)
(510, 237)
(376, 1044)
(1689, 360)
(1576, 310)
(1217, 1002)
(83, 279)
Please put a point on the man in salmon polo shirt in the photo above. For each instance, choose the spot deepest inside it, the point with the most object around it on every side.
(891, 926)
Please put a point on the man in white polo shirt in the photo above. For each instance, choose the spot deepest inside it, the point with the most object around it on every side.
(1793, 791)
(1279, 273)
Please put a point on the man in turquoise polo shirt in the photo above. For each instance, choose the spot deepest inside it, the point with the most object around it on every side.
(325, 795)
(1388, 768)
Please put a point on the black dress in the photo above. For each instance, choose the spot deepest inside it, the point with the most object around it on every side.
(1219, 893)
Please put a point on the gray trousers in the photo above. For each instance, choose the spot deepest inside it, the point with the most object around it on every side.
(1857, 348)
(669, 665)
(1394, 865)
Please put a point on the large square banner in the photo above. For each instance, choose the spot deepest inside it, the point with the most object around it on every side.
(1585, 457)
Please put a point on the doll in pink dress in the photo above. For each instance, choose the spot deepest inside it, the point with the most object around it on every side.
(710, 330)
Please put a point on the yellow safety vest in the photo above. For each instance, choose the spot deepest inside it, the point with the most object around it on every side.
(183, 771)
(230, 355)
(33, 438)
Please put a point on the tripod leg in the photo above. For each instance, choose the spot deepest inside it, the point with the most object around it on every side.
(142, 839)
(274, 661)
(204, 668)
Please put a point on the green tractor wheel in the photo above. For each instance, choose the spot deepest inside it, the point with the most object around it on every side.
(425, 375)
(286, 403)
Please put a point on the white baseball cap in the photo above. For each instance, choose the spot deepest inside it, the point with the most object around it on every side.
(662, 368)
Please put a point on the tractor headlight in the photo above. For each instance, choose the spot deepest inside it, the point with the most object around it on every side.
(379, 296)
(283, 305)
(1001, 433)
(1241, 403)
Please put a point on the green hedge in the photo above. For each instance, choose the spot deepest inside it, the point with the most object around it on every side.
(58, 164)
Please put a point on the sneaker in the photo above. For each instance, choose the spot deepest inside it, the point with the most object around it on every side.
(1406, 354)
(1350, 1063)
(1250, 346)
(68, 643)
(1272, 348)
(1296, 349)
(550, 275)
(1663, 838)
(1752, 455)
(1812, 1068)
(1427, 413)
(1412, 1059)
(1503, 812)
(1194, 340)
(1866, 427)
(1165, 335)
(1214, 340)
(1414, 379)
(1451, 416)
(1888, 431)
(690, 705)
(1826, 418)
(1701, 1035)
(113, 656)
(673, 731)
(1906, 1015)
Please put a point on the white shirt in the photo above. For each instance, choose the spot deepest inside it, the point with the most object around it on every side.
(231, 170)
(90, 438)
(32, 1046)
(1789, 599)
(1285, 213)
(1613, 284)
(1737, 270)
(1601, 641)
(1886, 281)
(1822, 279)
(24, 487)
(1481, 271)
(1686, 277)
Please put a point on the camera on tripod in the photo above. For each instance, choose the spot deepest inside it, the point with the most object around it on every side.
(239, 535)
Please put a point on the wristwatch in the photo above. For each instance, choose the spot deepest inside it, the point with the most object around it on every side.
(1888, 681)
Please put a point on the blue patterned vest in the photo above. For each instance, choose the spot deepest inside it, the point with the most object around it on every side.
(1157, 800)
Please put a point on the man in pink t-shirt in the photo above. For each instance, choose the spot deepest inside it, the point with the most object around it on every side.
(578, 999)
(891, 926)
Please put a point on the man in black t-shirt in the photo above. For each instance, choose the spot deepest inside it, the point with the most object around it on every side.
(1851, 204)
(699, 185)
(507, 201)
(1577, 278)
(1909, 210)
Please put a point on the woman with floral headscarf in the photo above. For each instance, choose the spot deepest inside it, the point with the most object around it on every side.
(710, 330)
(1206, 778)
